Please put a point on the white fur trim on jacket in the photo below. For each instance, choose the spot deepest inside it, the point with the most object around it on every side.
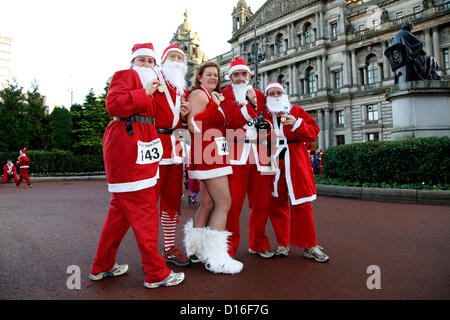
(210, 174)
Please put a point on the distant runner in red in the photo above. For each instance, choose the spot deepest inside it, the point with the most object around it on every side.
(24, 164)
(9, 171)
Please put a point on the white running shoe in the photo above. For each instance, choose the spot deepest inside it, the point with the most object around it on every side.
(282, 251)
(265, 254)
(172, 280)
(117, 270)
(316, 254)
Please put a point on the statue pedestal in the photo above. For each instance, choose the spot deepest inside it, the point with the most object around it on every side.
(420, 109)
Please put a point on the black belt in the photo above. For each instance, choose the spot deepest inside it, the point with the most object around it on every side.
(165, 131)
(288, 141)
(137, 119)
(247, 141)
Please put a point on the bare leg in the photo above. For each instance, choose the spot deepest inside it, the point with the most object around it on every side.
(219, 191)
(204, 211)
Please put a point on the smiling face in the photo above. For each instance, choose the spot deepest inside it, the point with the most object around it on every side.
(240, 76)
(274, 92)
(144, 61)
(209, 78)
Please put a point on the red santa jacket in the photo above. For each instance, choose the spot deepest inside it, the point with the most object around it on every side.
(242, 119)
(24, 161)
(9, 171)
(167, 116)
(299, 174)
(131, 161)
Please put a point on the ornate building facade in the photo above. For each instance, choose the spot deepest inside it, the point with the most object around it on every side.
(329, 56)
(188, 40)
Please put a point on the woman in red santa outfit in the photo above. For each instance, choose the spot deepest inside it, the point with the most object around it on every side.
(24, 165)
(171, 110)
(132, 151)
(206, 237)
(293, 127)
(9, 171)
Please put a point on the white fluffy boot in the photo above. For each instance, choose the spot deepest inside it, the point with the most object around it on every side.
(215, 252)
(193, 240)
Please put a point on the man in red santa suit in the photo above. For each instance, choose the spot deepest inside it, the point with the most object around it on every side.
(24, 164)
(249, 157)
(294, 179)
(132, 151)
(9, 171)
(171, 110)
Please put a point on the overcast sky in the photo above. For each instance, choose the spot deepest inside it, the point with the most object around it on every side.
(79, 44)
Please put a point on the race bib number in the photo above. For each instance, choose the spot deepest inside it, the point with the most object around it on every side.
(149, 152)
(222, 146)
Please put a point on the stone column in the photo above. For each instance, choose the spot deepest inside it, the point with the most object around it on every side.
(327, 128)
(325, 72)
(436, 46)
(291, 80)
(385, 61)
(348, 124)
(320, 73)
(295, 79)
(346, 72)
(320, 124)
(428, 45)
(354, 69)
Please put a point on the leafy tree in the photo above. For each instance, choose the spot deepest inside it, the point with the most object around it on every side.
(13, 118)
(37, 120)
(90, 122)
(60, 124)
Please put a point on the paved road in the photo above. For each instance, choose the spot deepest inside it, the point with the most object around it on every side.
(47, 228)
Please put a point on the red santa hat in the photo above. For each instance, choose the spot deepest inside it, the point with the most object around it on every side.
(171, 48)
(23, 150)
(237, 64)
(273, 84)
(142, 49)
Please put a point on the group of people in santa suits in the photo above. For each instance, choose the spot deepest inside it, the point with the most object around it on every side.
(10, 171)
(243, 142)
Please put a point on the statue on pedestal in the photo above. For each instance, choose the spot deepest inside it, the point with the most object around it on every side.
(408, 60)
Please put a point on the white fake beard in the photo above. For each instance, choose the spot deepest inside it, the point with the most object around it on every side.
(175, 73)
(280, 104)
(240, 92)
(145, 74)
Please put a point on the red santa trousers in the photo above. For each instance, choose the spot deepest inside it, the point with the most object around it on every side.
(302, 229)
(23, 176)
(6, 176)
(247, 180)
(139, 210)
(169, 189)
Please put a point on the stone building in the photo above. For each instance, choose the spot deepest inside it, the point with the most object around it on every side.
(5, 61)
(188, 40)
(329, 56)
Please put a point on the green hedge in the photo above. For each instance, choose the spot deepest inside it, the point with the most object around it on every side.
(56, 162)
(421, 160)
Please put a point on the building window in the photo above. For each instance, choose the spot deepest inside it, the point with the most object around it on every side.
(373, 71)
(337, 80)
(373, 136)
(334, 30)
(340, 120)
(372, 112)
(361, 27)
(416, 9)
(399, 14)
(309, 34)
(311, 85)
(447, 4)
(280, 43)
(446, 62)
(340, 139)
